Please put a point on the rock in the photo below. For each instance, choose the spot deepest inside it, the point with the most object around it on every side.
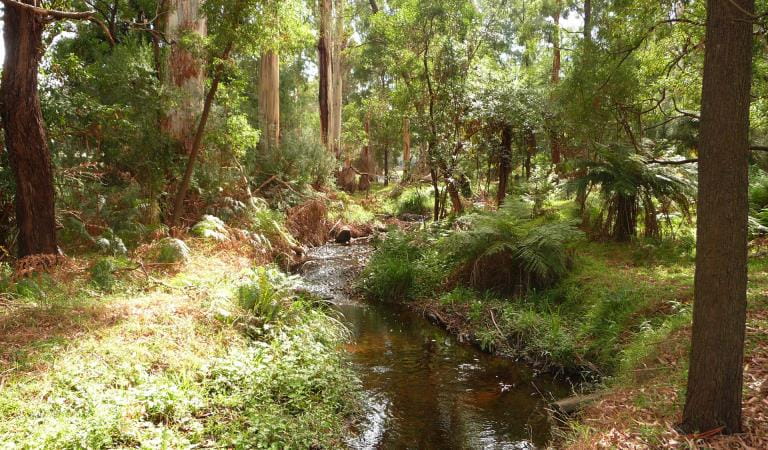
(570, 405)
(170, 250)
(344, 236)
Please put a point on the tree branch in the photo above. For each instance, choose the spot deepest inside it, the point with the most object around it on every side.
(53, 14)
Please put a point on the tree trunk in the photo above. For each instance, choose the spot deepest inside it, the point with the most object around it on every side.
(530, 150)
(337, 73)
(269, 100)
(436, 192)
(588, 20)
(715, 375)
(178, 204)
(406, 148)
(505, 164)
(625, 227)
(554, 134)
(325, 67)
(184, 72)
(386, 164)
(25, 136)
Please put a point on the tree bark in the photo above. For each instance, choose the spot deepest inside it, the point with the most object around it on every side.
(625, 227)
(269, 100)
(588, 20)
(556, 64)
(505, 164)
(178, 204)
(406, 148)
(25, 136)
(337, 74)
(325, 66)
(530, 145)
(714, 392)
(386, 164)
(184, 72)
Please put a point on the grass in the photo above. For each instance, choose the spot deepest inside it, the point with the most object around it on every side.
(171, 361)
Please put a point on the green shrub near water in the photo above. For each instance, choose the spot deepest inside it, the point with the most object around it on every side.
(414, 202)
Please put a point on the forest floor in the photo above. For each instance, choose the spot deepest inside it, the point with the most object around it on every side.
(162, 361)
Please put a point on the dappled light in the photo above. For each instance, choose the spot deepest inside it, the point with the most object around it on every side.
(375, 224)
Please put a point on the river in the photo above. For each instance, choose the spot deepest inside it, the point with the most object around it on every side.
(424, 389)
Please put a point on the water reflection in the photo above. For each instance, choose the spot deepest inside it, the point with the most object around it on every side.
(423, 389)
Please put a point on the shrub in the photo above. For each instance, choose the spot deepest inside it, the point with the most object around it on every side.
(264, 297)
(509, 253)
(211, 227)
(390, 274)
(102, 274)
(413, 202)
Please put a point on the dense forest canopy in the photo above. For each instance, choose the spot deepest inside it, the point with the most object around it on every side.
(509, 141)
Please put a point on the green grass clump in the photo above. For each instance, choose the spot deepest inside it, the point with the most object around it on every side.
(413, 201)
(390, 275)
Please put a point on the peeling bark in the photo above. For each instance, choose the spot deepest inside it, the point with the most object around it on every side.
(184, 72)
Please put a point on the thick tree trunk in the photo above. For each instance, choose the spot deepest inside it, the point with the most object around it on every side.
(625, 227)
(269, 100)
(25, 136)
(325, 67)
(505, 164)
(184, 72)
(719, 309)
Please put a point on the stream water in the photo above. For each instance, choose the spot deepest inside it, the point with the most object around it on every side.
(423, 389)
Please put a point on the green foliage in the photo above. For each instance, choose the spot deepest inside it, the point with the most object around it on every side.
(291, 389)
(170, 251)
(265, 297)
(627, 183)
(102, 274)
(414, 202)
(211, 227)
(508, 252)
(390, 274)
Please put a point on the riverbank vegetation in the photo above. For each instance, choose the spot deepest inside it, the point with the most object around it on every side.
(578, 184)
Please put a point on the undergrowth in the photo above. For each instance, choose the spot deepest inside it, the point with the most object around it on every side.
(211, 357)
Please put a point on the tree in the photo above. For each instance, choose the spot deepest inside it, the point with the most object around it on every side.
(713, 398)
(184, 72)
(269, 99)
(25, 136)
(325, 67)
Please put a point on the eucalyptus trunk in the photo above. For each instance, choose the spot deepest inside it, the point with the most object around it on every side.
(269, 100)
(184, 72)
